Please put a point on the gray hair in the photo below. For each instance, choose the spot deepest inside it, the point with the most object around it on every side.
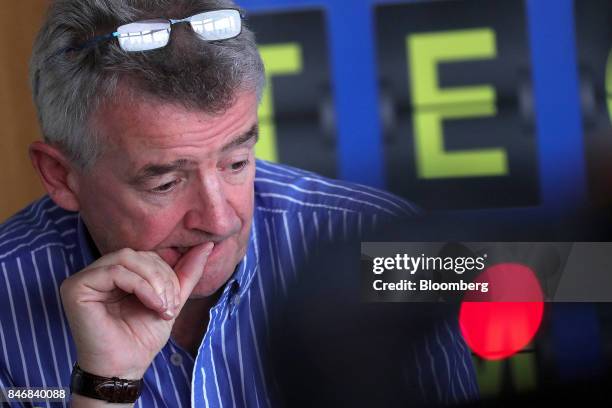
(68, 86)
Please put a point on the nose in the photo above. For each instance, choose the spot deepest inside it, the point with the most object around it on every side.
(211, 212)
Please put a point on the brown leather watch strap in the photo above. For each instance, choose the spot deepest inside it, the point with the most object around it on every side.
(116, 390)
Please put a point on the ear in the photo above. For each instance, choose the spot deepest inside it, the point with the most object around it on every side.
(56, 174)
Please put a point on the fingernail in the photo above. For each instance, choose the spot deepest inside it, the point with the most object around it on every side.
(169, 313)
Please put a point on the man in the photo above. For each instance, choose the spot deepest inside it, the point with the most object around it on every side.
(162, 243)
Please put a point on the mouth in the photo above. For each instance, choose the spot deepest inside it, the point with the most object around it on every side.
(172, 255)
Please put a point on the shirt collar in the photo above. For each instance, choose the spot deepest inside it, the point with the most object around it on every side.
(247, 267)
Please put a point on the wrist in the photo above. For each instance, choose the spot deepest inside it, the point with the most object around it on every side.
(111, 370)
(104, 389)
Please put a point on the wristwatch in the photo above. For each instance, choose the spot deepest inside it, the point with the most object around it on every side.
(115, 390)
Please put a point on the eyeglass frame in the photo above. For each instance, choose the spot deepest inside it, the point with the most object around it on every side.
(115, 34)
(105, 37)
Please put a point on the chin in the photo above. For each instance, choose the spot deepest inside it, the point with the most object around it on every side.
(213, 279)
(205, 289)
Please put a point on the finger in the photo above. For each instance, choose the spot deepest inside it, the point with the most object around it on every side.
(190, 268)
(172, 290)
(177, 297)
(145, 266)
(136, 285)
(99, 284)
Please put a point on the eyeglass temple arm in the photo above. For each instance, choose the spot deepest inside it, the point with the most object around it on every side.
(106, 37)
(95, 40)
(87, 44)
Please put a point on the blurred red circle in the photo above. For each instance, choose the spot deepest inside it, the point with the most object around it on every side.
(502, 321)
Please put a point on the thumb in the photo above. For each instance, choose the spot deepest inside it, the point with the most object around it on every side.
(190, 267)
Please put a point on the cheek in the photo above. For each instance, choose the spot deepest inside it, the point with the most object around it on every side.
(124, 221)
(244, 209)
(156, 226)
(241, 197)
(231, 251)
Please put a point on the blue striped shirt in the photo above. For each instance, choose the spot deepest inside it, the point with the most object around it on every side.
(294, 209)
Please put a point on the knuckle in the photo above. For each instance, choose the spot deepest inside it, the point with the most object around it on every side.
(125, 253)
(169, 284)
(65, 287)
(157, 282)
(153, 262)
(154, 255)
(162, 265)
(142, 284)
(115, 269)
(71, 282)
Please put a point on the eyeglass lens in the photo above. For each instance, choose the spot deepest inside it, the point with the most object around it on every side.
(144, 35)
(151, 34)
(216, 25)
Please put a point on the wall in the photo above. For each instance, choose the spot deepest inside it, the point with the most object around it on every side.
(20, 22)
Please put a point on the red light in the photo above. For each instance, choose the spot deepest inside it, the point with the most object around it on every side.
(508, 317)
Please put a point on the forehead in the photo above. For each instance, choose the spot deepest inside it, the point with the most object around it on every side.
(140, 124)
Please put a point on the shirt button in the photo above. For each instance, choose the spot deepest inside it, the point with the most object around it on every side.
(235, 300)
(176, 359)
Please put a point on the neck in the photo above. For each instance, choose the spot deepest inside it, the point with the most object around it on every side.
(191, 323)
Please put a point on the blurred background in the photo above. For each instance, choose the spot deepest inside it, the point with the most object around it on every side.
(497, 109)
(502, 106)
(17, 115)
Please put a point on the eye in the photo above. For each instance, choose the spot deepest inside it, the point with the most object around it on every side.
(165, 188)
(236, 167)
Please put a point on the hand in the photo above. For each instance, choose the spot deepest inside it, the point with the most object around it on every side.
(122, 307)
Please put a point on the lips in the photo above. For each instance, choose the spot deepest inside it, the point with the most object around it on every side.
(171, 255)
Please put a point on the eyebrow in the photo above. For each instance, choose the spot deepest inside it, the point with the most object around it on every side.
(155, 170)
(152, 170)
(242, 139)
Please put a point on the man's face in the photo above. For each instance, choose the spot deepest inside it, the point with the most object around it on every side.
(171, 179)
